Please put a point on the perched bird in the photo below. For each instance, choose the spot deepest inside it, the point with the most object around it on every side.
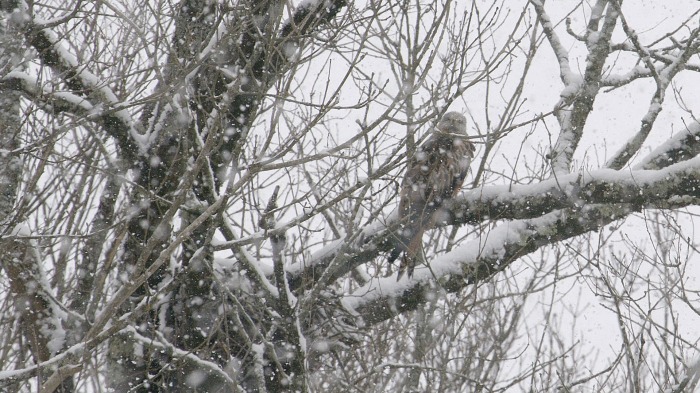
(435, 173)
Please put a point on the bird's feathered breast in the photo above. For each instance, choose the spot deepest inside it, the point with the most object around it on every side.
(435, 173)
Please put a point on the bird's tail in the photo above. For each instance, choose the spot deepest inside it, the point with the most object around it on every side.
(410, 244)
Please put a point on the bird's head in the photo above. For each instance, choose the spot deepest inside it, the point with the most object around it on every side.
(453, 123)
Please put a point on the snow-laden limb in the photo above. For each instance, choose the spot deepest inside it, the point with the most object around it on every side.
(572, 84)
(598, 198)
(31, 371)
(61, 101)
(40, 315)
(67, 102)
(476, 260)
(673, 187)
(579, 93)
(662, 57)
(680, 147)
(116, 120)
(344, 254)
(560, 52)
(663, 78)
(637, 72)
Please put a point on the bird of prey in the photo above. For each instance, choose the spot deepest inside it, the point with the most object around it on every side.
(435, 173)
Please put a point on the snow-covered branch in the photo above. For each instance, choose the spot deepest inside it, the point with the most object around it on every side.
(116, 120)
(476, 260)
(39, 314)
(673, 187)
(68, 102)
(663, 79)
(579, 93)
(681, 147)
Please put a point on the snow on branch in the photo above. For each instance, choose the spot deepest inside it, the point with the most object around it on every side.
(681, 147)
(663, 78)
(65, 102)
(116, 120)
(579, 93)
(675, 186)
(58, 101)
(479, 259)
(39, 312)
(309, 14)
(638, 72)
(562, 55)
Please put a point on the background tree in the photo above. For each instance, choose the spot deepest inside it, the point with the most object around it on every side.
(201, 195)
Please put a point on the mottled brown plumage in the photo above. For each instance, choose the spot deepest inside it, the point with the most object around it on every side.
(435, 173)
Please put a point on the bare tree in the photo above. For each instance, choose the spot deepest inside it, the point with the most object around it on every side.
(200, 196)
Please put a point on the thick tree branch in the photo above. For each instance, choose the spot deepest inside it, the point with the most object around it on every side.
(74, 104)
(20, 259)
(476, 260)
(115, 120)
(674, 187)
(34, 302)
(579, 93)
(681, 147)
